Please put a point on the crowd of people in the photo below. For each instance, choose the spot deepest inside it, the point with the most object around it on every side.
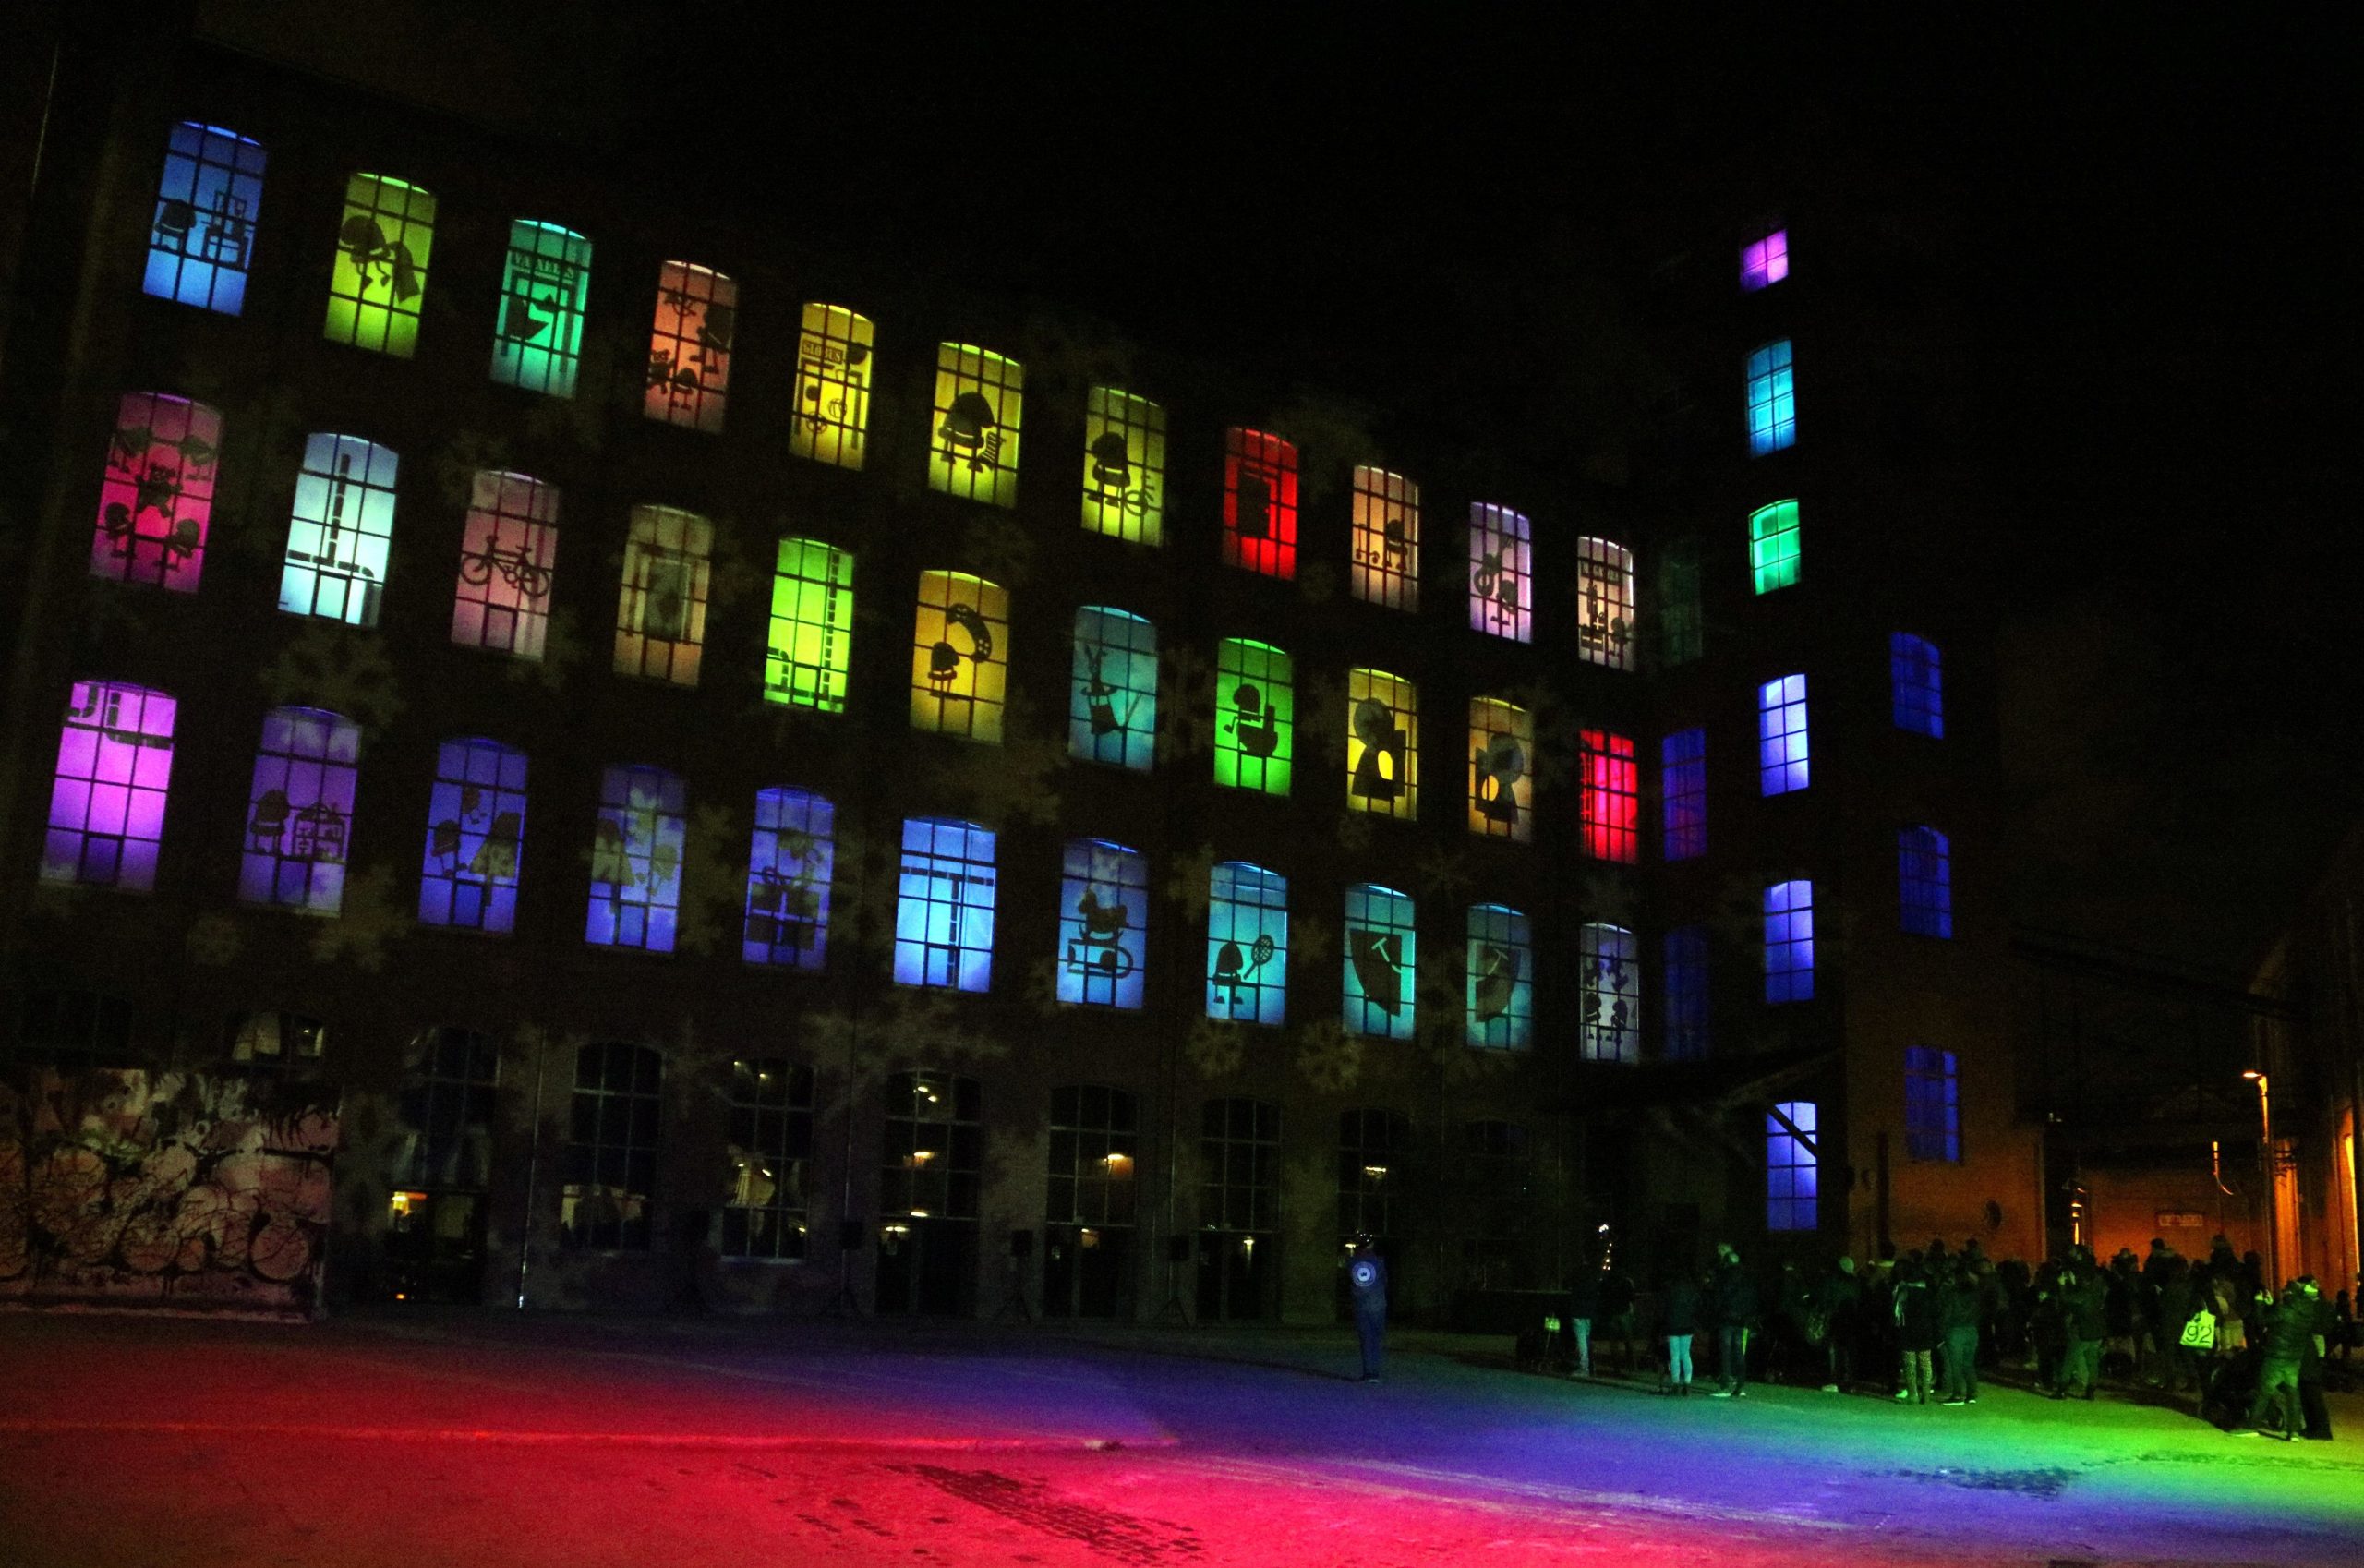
(1922, 1327)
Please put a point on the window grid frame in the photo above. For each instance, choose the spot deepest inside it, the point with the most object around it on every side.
(1772, 398)
(500, 602)
(1788, 1209)
(1606, 628)
(308, 758)
(1374, 916)
(808, 652)
(129, 791)
(458, 763)
(637, 848)
(373, 205)
(179, 491)
(1689, 1007)
(1498, 928)
(1102, 1150)
(1385, 551)
(1239, 1136)
(1507, 566)
(1776, 547)
(1932, 1106)
(836, 347)
(1924, 882)
(1094, 720)
(1784, 752)
(945, 848)
(688, 379)
(1612, 798)
(223, 211)
(1383, 720)
(1124, 466)
(1501, 770)
(770, 1108)
(1916, 680)
(1244, 674)
(1271, 462)
(669, 559)
(1610, 1021)
(1260, 965)
(1683, 794)
(318, 518)
(1765, 260)
(1096, 967)
(637, 1111)
(531, 260)
(980, 610)
(969, 379)
(1789, 942)
(787, 916)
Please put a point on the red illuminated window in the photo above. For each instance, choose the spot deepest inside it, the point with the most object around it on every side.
(1612, 798)
(1260, 503)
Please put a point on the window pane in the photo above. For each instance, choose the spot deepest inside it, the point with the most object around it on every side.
(1500, 597)
(1917, 673)
(1682, 760)
(1773, 546)
(788, 880)
(1248, 944)
(1386, 539)
(1925, 880)
(156, 500)
(1612, 803)
(1254, 713)
(1612, 1029)
(1781, 752)
(508, 566)
(637, 860)
(106, 802)
(1792, 1161)
(1789, 942)
(299, 811)
(341, 531)
(1383, 743)
(660, 619)
(1104, 924)
(604, 1204)
(1501, 979)
(476, 836)
(1605, 603)
(833, 369)
(202, 240)
(1772, 400)
(378, 278)
(1124, 466)
(1764, 261)
(1931, 1104)
(812, 626)
(1681, 628)
(979, 399)
(944, 911)
(1112, 714)
(1260, 503)
(1382, 962)
(1501, 789)
(1686, 993)
(960, 656)
(689, 346)
(538, 345)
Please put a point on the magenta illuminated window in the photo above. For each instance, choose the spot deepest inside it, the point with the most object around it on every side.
(1764, 262)
(299, 811)
(508, 563)
(157, 498)
(106, 801)
(1611, 798)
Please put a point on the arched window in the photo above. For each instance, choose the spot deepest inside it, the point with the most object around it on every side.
(636, 859)
(689, 346)
(1387, 539)
(1112, 708)
(960, 656)
(341, 531)
(1239, 1162)
(771, 1144)
(156, 500)
(106, 800)
(1498, 1207)
(979, 397)
(1500, 599)
(788, 868)
(538, 342)
(1374, 1147)
(1260, 503)
(1254, 712)
(1124, 466)
(1605, 603)
(1783, 756)
(380, 276)
(1501, 979)
(660, 617)
(1792, 1166)
(1248, 944)
(610, 1173)
(202, 240)
(1774, 546)
(1383, 743)
(1092, 1200)
(508, 566)
(445, 1128)
(299, 811)
(833, 369)
(812, 626)
(1925, 881)
(1381, 963)
(1772, 399)
(944, 909)
(935, 1146)
(1916, 673)
(476, 836)
(1789, 942)
(1501, 770)
(1611, 1025)
(1104, 924)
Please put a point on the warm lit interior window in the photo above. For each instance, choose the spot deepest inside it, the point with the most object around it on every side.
(1783, 762)
(156, 500)
(689, 346)
(833, 370)
(1772, 399)
(476, 836)
(1605, 603)
(1124, 466)
(1259, 503)
(341, 531)
(1789, 942)
(1773, 546)
(202, 240)
(1501, 596)
(1386, 539)
(508, 566)
(770, 1148)
(1683, 793)
(1612, 803)
(538, 343)
(1382, 962)
(1502, 782)
(1611, 1024)
(978, 398)
(1248, 944)
(1501, 979)
(810, 652)
(1111, 710)
(660, 618)
(299, 811)
(788, 880)
(378, 278)
(106, 799)
(944, 910)
(636, 859)
(1255, 709)
(960, 656)
(1383, 743)
(1764, 261)
(1104, 924)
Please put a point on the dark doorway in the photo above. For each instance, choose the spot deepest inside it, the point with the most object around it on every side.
(927, 1267)
(1088, 1272)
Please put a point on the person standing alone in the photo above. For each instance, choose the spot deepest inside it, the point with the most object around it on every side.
(1367, 1272)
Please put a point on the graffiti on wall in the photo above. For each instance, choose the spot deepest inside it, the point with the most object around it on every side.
(167, 1189)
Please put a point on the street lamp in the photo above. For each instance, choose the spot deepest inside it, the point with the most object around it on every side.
(2265, 1174)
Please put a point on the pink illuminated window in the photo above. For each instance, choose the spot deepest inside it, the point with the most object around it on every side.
(1260, 503)
(1611, 798)
(106, 802)
(158, 495)
(508, 561)
(689, 350)
(1764, 261)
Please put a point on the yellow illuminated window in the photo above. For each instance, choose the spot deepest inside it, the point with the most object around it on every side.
(973, 451)
(660, 621)
(833, 364)
(960, 655)
(1383, 743)
(1124, 466)
(1501, 770)
(1387, 539)
(380, 275)
(689, 347)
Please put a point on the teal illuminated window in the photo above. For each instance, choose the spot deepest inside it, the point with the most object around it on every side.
(1772, 400)
(1112, 709)
(944, 908)
(538, 343)
(1104, 924)
(1916, 673)
(1686, 993)
(1789, 942)
(1781, 759)
(812, 626)
(1248, 944)
(202, 239)
(380, 276)
(1773, 547)
(341, 531)
(1501, 979)
(1254, 712)
(1683, 793)
(637, 860)
(1610, 1024)
(1932, 1106)
(1792, 1166)
(1382, 962)
(1925, 881)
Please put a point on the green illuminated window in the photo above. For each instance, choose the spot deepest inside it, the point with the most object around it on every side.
(380, 276)
(812, 633)
(1124, 466)
(832, 367)
(1773, 546)
(960, 655)
(538, 345)
(1255, 709)
(660, 621)
(979, 396)
(1383, 743)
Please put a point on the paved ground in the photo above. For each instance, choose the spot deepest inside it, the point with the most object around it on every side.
(495, 1441)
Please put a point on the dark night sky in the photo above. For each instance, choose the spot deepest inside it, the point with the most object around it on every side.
(2160, 197)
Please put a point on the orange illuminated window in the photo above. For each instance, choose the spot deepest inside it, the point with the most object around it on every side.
(689, 349)
(1387, 539)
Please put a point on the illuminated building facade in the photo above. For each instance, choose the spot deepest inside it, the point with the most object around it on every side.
(871, 858)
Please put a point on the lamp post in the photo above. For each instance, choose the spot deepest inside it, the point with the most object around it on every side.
(2265, 1171)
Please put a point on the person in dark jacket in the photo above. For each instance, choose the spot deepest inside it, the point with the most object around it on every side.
(1837, 1301)
(1367, 1273)
(1584, 1306)
(1678, 1312)
(1958, 1312)
(2084, 1312)
(1616, 1319)
(2311, 1365)
(2289, 1334)
(1916, 1329)
(2179, 1302)
(1734, 1305)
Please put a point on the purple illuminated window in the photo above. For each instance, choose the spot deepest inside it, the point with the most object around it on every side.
(476, 836)
(106, 804)
(299, 812)
(1764, 261)
(158, 495)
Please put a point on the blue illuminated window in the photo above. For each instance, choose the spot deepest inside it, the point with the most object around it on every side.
(1382, 962)
(1112, 711)
(1925, 881)
(788, 880)
(1104, 924)
(1916, 673)
(476, 836)
(203, 237)
(1772, 400)
(1782, 735)
(1686, 993)
(1792, 1166)
(1248, 944)
(637, 860)
(1764, 261)
(1789, 942)
(1612, 1015)
(1501, 979)
(1683, 793)
(944, 908)
(1932, 1106)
